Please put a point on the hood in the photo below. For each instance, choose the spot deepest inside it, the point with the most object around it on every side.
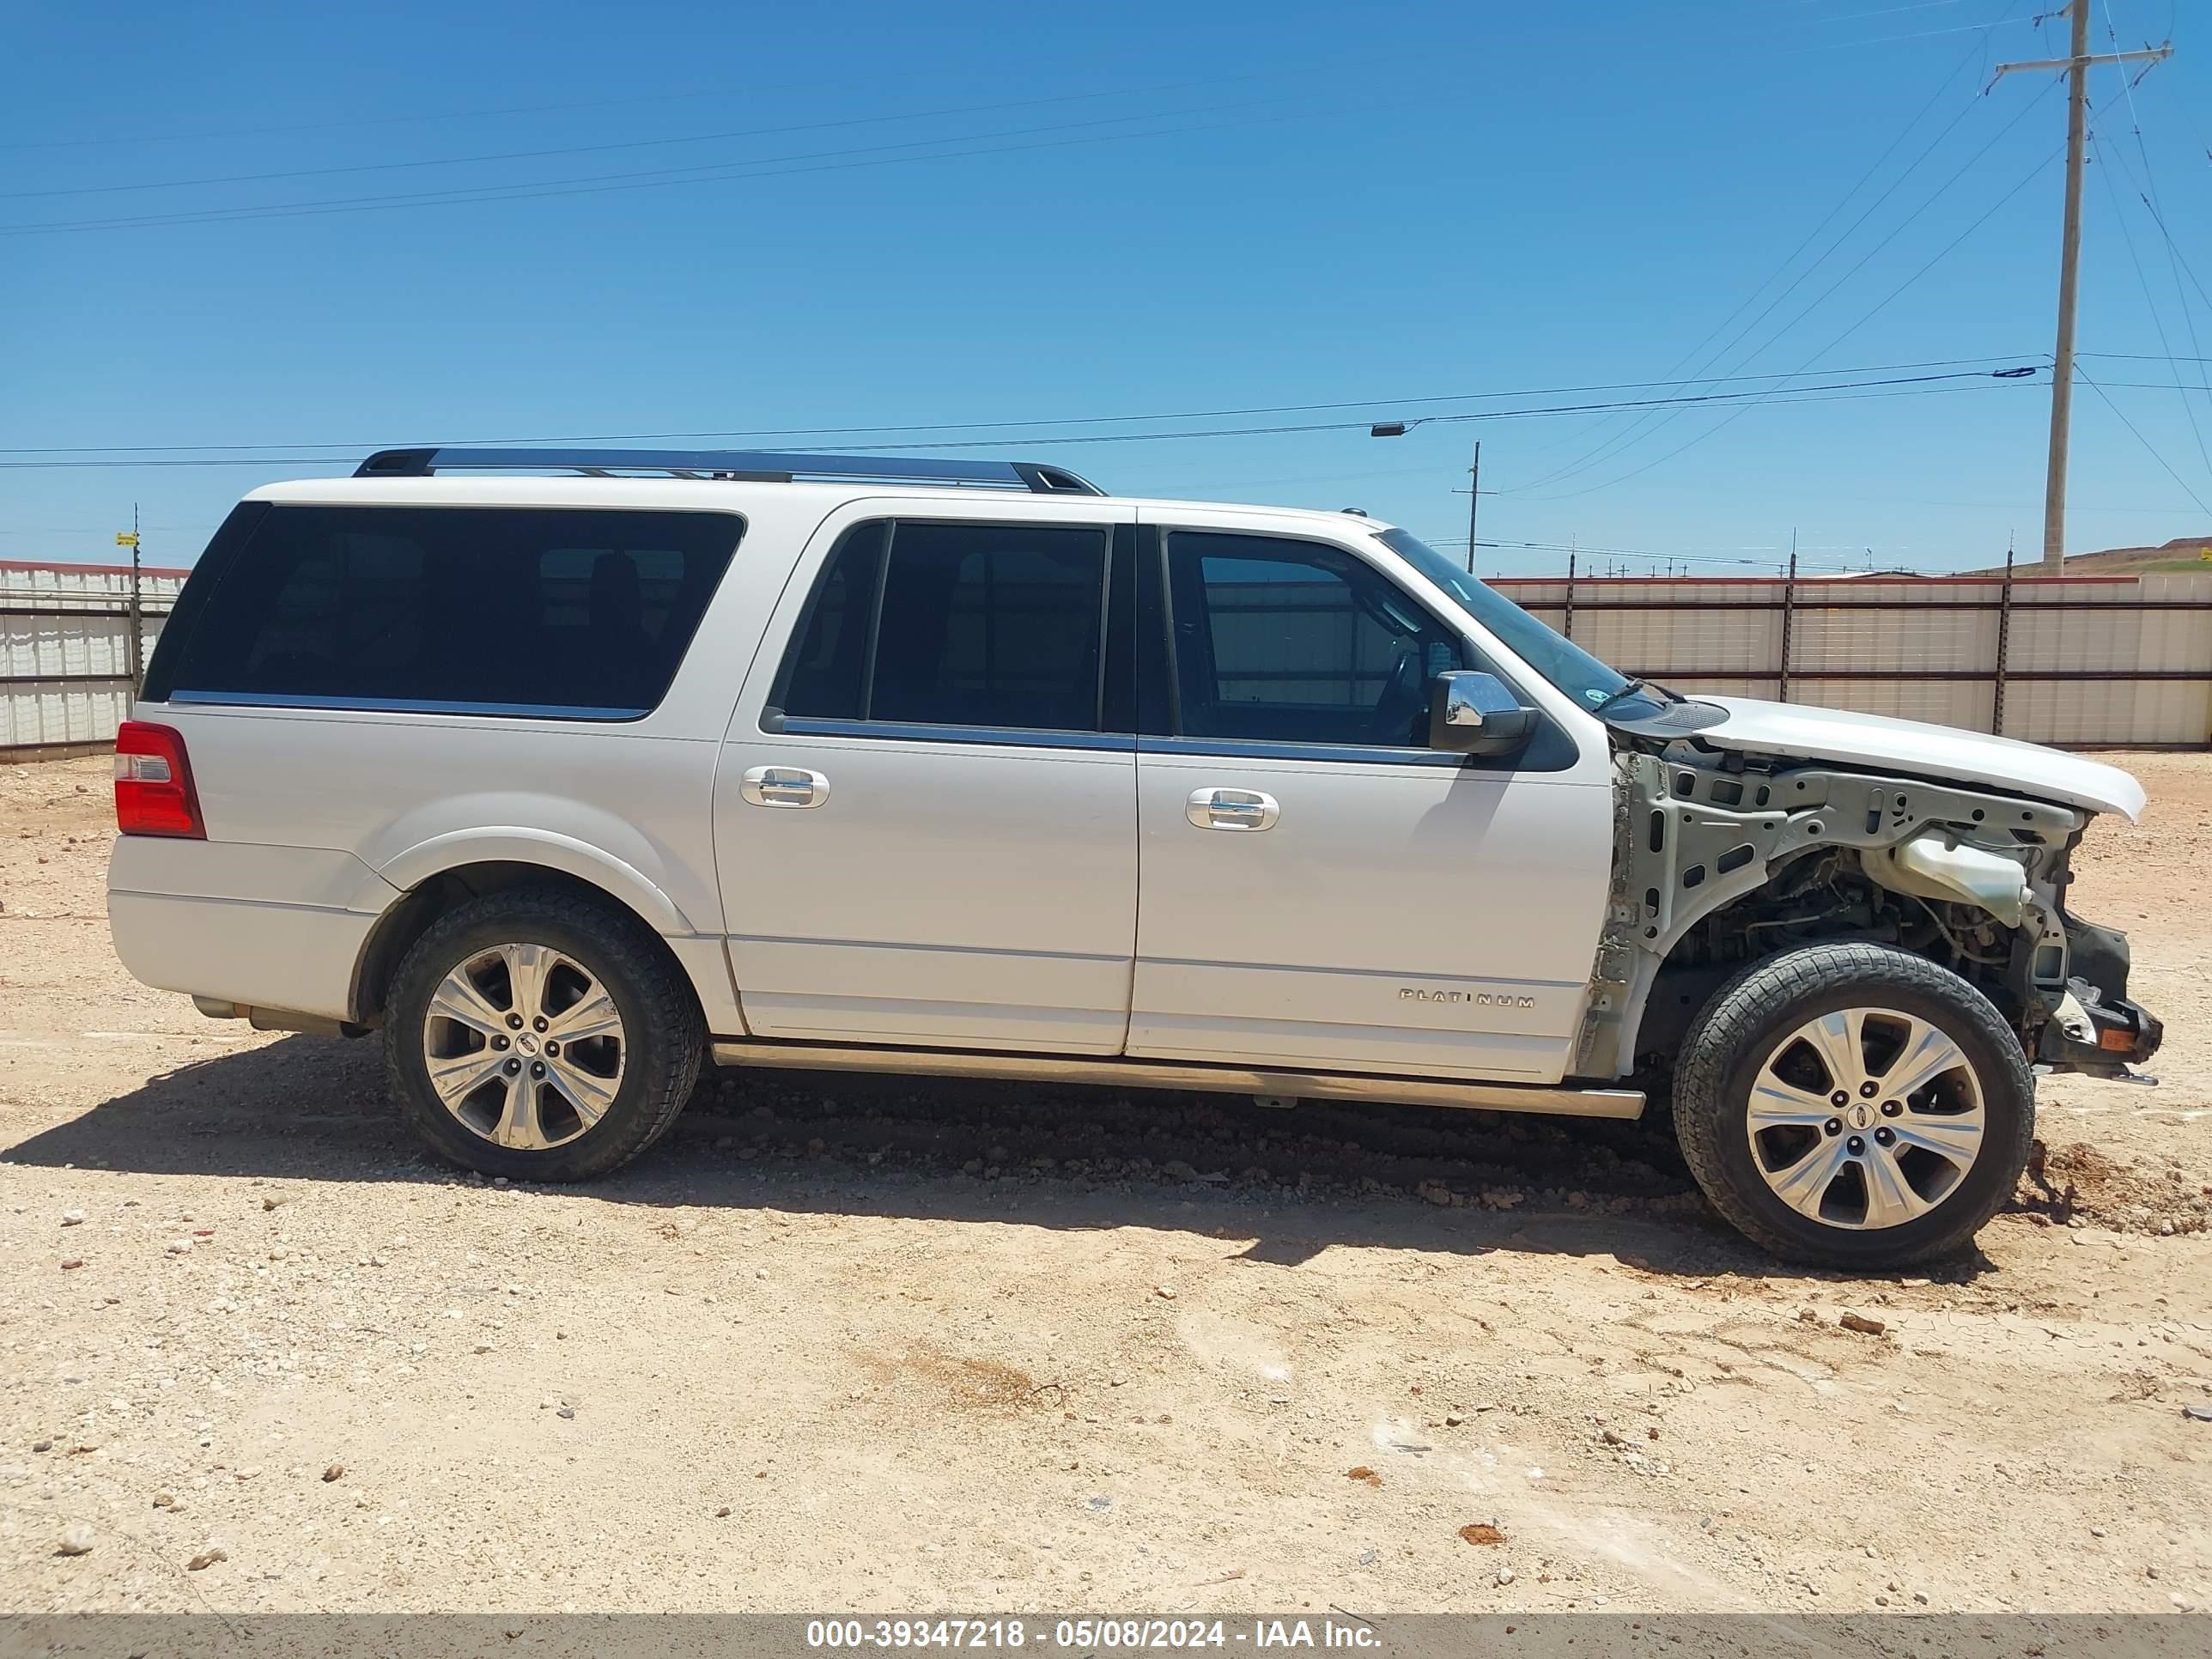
(1794, 731)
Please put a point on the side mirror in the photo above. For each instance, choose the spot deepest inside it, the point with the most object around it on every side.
(1472, 712)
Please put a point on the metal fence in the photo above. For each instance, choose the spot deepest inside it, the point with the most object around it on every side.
(2080, 660)
(65, 652)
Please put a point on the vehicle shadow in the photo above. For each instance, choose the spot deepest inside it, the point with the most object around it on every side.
(1295, 1182)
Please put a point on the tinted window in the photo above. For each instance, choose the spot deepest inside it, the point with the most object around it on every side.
(583, 613)
(1297, 642)
(827, 675)
(992, 625)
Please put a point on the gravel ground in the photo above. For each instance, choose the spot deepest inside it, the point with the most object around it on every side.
(884, 1345)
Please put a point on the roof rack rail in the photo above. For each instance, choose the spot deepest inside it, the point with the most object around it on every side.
(752, 466)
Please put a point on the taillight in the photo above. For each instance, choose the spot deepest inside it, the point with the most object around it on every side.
(154, 792)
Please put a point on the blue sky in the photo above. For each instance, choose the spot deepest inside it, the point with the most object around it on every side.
(994, 213)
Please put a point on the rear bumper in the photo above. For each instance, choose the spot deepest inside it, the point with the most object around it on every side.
(274, 956)
(237, 922)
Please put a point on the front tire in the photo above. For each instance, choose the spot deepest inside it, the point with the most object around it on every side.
(540, 1035)
(1854, 1106)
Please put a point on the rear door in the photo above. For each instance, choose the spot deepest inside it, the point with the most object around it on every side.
(1320, 888)
(925, 811)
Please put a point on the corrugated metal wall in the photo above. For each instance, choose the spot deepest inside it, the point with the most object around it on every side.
(65, 650)
(2085, 660)
(2080, 660)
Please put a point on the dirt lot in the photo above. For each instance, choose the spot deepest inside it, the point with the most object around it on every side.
(895, 1347)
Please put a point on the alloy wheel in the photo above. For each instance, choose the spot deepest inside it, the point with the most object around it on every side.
(523, 1046)
(1865, 1118)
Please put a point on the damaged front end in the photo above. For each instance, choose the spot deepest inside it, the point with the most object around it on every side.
(2075, 973)
(1723, 860)
(2095, 1027)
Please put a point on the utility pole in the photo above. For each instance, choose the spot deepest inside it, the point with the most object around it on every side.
(1788, 614)
(2076, 65)
(137, 612)
(2004, 646)
(1473, 498)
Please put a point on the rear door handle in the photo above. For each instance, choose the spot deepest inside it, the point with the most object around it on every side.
(784, 785)
(1232, 809)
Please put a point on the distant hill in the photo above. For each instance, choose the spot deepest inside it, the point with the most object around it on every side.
(2184, 555)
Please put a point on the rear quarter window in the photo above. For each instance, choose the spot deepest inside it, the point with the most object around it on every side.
(563, 613)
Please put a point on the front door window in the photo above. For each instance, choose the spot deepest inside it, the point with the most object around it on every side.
(1292, 642)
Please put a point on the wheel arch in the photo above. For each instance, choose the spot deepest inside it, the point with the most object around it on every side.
(445, 890)
(544, 849)
(1672, 990)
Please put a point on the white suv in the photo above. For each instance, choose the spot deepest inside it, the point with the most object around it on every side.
(577, 768)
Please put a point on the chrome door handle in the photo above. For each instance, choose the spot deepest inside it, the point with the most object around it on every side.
(1232, 809)
(784, 785)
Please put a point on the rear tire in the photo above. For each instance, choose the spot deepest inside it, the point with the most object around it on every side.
(541, 1036)
(1854, 1106)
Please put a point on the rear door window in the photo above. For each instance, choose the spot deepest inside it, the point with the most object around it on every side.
(980, 625)
(548, 612)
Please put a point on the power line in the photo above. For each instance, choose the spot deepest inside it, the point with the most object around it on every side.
(600, 182)
(1874, 498)
(1908, 386)
(1625, 553)
(1878, 306)
(2187, 117)
(1613, 446)
(651, 179)
(2147, 446)
(1828, 292)
(2157, 323)
(1885, 11)
(358, 445)
(2176, 260)
(2173, 265)
(97, 529)
(1883, 39)
(2172, 248)
(602, 148)
(107, 141)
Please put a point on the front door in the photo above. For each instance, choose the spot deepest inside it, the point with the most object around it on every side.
(925, 813)
(1319, 889)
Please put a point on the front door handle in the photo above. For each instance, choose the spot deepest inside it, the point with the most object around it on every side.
(784, 785)
(1232, 809)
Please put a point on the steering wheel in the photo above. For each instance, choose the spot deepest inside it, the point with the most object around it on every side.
(1405, 695)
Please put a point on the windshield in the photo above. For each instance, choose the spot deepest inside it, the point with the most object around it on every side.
(1559, 659)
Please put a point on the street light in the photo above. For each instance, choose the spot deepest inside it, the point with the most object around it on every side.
(1398, 429)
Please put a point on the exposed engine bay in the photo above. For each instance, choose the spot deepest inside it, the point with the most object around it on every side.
(1723, 858)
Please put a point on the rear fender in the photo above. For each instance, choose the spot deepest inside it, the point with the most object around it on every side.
(514, 845)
